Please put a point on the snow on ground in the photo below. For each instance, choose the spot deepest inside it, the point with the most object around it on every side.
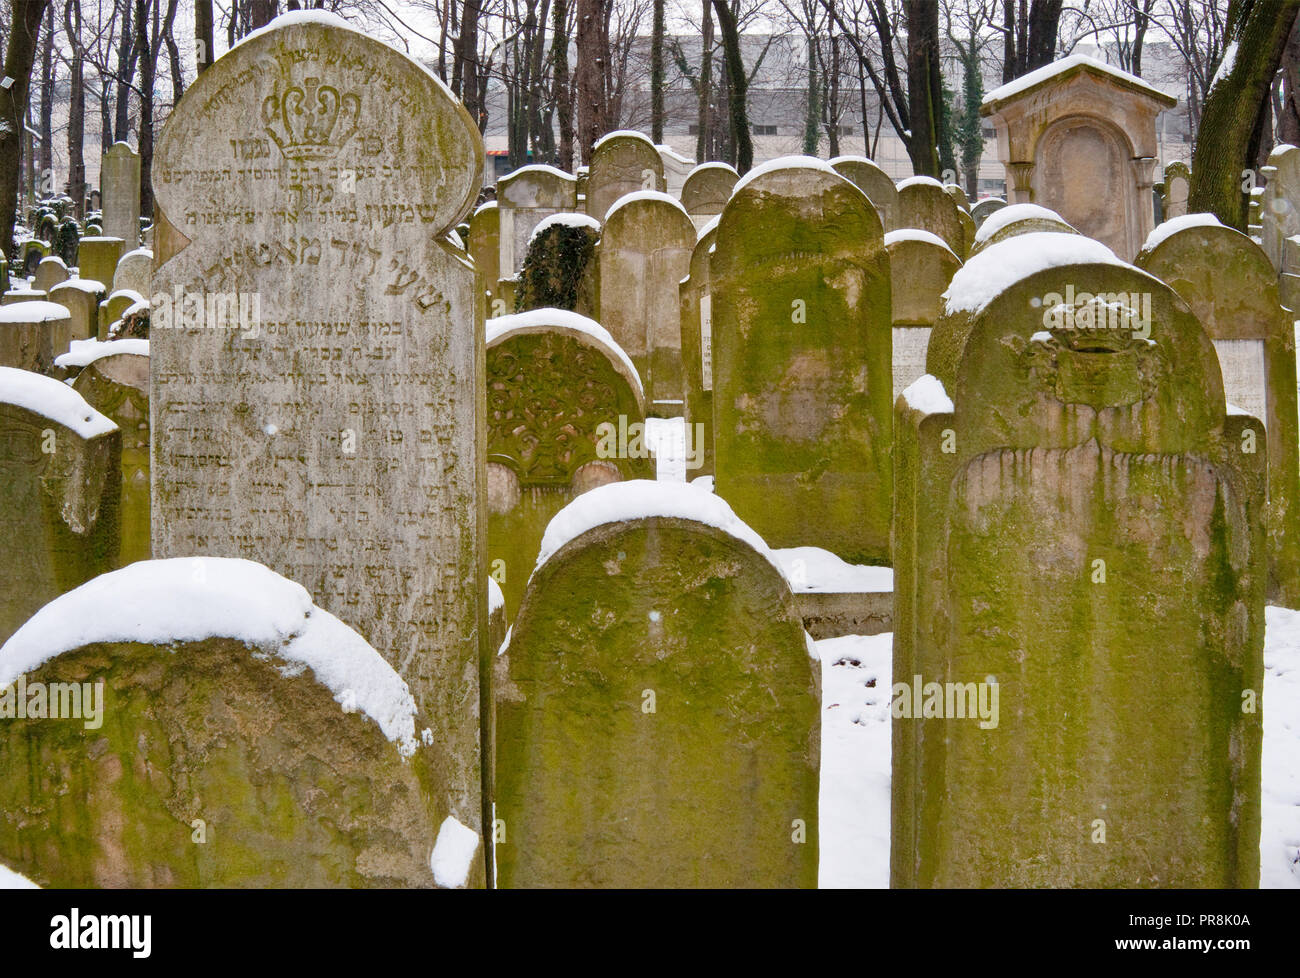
(666, 437)
(812, 570)
(855, 772)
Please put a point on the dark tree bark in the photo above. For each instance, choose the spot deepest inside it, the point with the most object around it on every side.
(738, 86)
(45, 156)
(657, 74)
(1029, 35)
(76, 110)
(148, 64)
(593, 58)
(563, 84)
(702, 147)
(1228, 138)
(465, 70)
(1288, 116)
(924, 86)
(127, 54)
(203, 36)
(20, 53)
(261, 13)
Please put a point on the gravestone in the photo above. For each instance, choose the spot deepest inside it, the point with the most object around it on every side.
(524, 198)
(645, 252)
(1079, 137)
(1079, 572)
(49, 273)
(566, 412)
(801, 361)
(697, 347)
(676, 169)
(981, 209)
(29, 333)
(228, 733)
(135, 272)
(22, 295)
(875, 183)
(33, 251)
(1227, 280)
(561, 270)
(81, 298)
(484, 245)
(60, 482)
(920, 268)
(1015, 219)
(923, 204)
(1178, 184)
(1279, 217)
(116, 384)
(963, 215)
(658, 723)
(97, 259)
(329, 433)
(706, 191)
(622, 162)
(119, 178)
(115, 307)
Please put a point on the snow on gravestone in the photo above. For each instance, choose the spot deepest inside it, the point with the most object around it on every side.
(874, 182)
(119, 178)
(214, 729)
(565, 413)
(1079, 569)
(802, 376)
(657, 719)
(697, 348)
(116, 383)
(707, 190)
(1232, 288)
(920, 268)
(645, 252)
(315, 172)
(59, 465)
(925, 205)
(30, 332)
(50, 272)
(622, 162)
(524, 198)
(1010, 220)
(134, 272)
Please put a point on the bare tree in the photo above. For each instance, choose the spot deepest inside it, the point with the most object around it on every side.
(20, 54)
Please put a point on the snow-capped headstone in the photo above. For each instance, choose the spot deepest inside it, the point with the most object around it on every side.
(117, 385)
(326, 425)
(524, 198)
(119, 178)
(697, 348)
(802, 380)
(707, 190)
(1080, 573)
(924, 204)
(565, 413)
(214, 729)
(134, 272)
(645, 252)
(60, 483)
(49, 273)
(659, 725)
(1228, 281)
(875, 183)
(81, 298)
(622, 162)
(981, 209)
(1279, 217)
(1013, 219)
(920, 267)
(30, 332)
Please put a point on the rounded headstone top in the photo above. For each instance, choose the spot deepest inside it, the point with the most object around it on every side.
(82, 353)
(501, 328)
(33, 311)
(787, 167)
(56, 401)
(640, 196)
(1017, 219)
(894, 239)
(624, 134)
(1169, 228)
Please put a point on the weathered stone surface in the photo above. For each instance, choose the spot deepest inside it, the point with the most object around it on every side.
(336, 434)
(875, 183)
(622, 162)
(29, 333)
(81, 298)
(1227, 280)
(558, 385)
(1079, 137)
(49, 273)
(706, 191)
(1178, 184)
(801, 362)
(658, 722)
(134, 272)
(97, 259)
(117, 386)
(645, 252)
(114, 308)
(696, 301)
(1081, 533)
(524, 198)
(119, 178)
(984, 207)
(484, 243)
(920, 268)
(60, 482)
(278, 751)
(924, 204)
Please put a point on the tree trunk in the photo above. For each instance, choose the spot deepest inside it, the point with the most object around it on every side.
(127, 53)
(148, 64)
(45, 158)
(261, 13)
(924, 87)
(20, 53)
(703, 150)
(738, 86)
(76, 110)
(593, 53)
(203, 36)
(1288, 117)
(1227, 137)
(563, 86)
(1029, 37)
(466, 67)
(657, 75)
(812, 112)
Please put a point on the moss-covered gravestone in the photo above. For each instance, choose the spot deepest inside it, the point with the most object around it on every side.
(119, 177)
(60, 486)
(33, 251)
(925, 205)
(982, 208)
(198, 722)
(659, 723)
(560, 269)
(484, 244)
(800, 288)
(697, 347)
(30, 332)
(566, 412)
(97, 258)
(1080, 568)
(525, 198)
(875, 183)
(645, 252)
(622, 162)
(707, 190)
(50, 272)
(1227, 280)
(1009, 221)
(335, 432)
(920, 268)
(116, 383)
